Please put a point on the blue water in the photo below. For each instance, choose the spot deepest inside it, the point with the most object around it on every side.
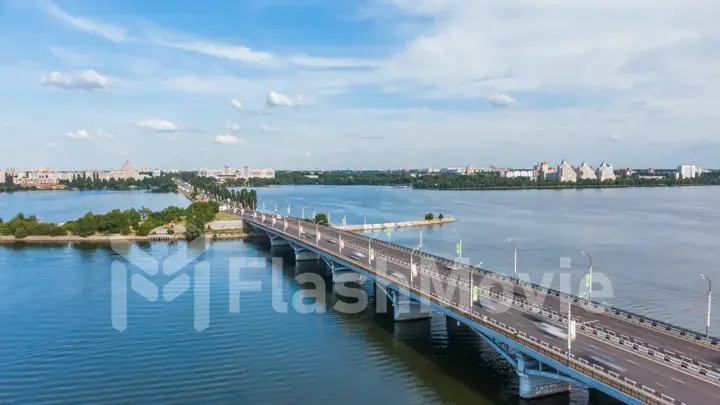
(652, 244)
(58, 345)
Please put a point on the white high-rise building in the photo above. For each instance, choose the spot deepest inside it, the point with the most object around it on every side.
(566, 173)
(605, 172)
(585, 172)
(687, 171)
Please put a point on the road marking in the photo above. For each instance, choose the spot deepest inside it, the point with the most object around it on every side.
(661, 385)
(632, 362)
(594, 347)
(675, 379)
(519, 325)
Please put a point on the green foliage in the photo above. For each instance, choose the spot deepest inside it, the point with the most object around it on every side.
(321, 219)
(336, 178)
(212, 188)
(440, 216)
(116, 222)
(21, 227)
(429, 216)
(160, 184)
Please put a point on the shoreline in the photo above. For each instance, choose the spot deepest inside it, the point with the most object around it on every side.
(395, 225)
(569, 187)
(106, 239)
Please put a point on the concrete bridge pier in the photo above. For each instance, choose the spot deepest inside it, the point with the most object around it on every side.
(538, 380)
(404, 308)
(342, 274)
(302, 254)
(254, 233)
(278, 241)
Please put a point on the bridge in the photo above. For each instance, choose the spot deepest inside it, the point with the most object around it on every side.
(627, 356)
(630, 357)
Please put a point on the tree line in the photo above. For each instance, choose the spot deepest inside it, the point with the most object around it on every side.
(161, 184)
(122, 222)
(210, 187)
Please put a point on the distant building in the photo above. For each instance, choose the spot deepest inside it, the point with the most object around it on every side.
(246, 172)
(585, 172)
(566, 173)
(3, 174)
(687, 171)
(542, 170)
(516, 174)
(605, 172)
(469, 170)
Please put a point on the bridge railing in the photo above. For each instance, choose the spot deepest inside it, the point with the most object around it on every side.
(678, 331)
(607, 377)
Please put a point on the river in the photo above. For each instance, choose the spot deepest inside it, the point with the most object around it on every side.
(59, 345)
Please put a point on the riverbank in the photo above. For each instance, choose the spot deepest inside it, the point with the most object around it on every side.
(563, 187)
(393, 225)
(107, 239)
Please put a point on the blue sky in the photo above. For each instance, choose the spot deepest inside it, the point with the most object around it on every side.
(311, 84)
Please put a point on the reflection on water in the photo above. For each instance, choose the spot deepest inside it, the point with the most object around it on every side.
(59, 345)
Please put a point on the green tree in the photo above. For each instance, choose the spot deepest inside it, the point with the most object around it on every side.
(321, 219)
(429, 216)
(440, 216)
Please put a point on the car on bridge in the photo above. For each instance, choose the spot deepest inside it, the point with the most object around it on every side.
(487, 304)
(607, 362)
(357, 255)
(551, 330)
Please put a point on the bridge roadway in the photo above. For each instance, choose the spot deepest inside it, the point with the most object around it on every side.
(661, 377)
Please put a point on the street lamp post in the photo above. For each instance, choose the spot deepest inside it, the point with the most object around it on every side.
(588, 281)
(413, 267)
(571, 326)
(707, 324)
(515, 255)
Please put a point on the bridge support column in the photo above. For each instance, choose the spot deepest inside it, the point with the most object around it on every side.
(256, 232)
(302, 254)
(342, 274)
(404, 308)
(278, 241)
(536, 383)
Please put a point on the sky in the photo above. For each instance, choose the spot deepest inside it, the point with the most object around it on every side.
(335, 84)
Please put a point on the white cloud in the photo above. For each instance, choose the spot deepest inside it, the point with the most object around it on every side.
(110, 32)
(267, 129)
(308, 154)
(157, 124)
(84, 80)
(9, 125)
(236, 104)
(276, 99)
(79, 134)
(233, 52)
(333, 63)
(233, 126)
(105, 135)
(226, 139)
(501, 100)
(51, 145)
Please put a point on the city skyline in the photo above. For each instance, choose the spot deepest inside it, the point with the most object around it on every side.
(317, 84)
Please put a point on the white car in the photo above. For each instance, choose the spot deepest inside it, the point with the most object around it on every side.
(551, 330)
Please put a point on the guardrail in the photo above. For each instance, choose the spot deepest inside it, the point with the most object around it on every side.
(680, 332)
(607, 377)
(697, 368)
